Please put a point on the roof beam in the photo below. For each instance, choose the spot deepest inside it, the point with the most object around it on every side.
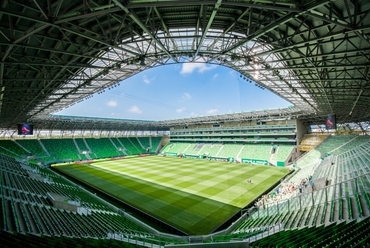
(268, 5)
(314, 40)
(261, 32)
(209, 23)
(305, 67)
(67, 65)
(46, 23)
(316, 14)
(276, 24)
(165, 28)
(137, 20)
(79, 16)
(222, 36)
(315, 80)
(40, 9)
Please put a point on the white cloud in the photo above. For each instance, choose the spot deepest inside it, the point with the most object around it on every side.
(147, 80)
(112, 103)
(180, 110)
(135, 109)
(212, 111)
(188, 68)
(215, 76)
(186, 96)
(232, 73)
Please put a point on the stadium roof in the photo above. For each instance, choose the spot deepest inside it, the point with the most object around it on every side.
(54, 54)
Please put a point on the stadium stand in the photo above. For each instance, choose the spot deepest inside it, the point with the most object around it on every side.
(229, 150)
(177, 148)
(342, 203)
(26, 209)
(136, 146)
(19, 240)
(130, 148)
(353, 234)
(61, 149)
(82, 148)
(256, 151)
(102, 147)
(150, 144)
(33, 146)
(334, 142)
(8, 147)
(68, 149)
(12, 148)
(212, 149)
(237, 151)
(344, 198)
(282, 152)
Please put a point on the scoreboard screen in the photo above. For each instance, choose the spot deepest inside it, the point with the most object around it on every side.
(330, 122)
(25, 129)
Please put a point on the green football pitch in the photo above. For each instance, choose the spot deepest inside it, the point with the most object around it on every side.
(194, 196)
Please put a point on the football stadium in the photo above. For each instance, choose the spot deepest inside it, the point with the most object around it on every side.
(297, 176)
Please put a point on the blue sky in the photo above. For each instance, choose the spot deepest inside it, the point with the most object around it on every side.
(178, 91)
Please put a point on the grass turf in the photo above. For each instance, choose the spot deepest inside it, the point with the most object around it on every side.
(194, 196)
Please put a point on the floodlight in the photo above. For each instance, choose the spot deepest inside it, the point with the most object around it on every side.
(142, 61)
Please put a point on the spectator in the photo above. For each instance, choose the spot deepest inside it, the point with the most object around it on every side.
(312, 185)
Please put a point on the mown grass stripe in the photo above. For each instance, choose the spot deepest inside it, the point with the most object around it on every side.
(195, 196)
